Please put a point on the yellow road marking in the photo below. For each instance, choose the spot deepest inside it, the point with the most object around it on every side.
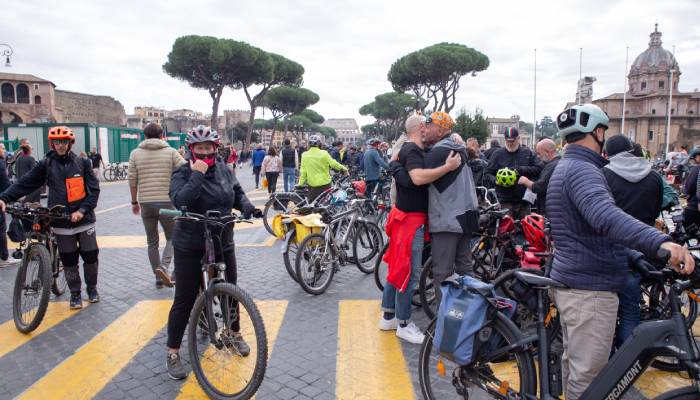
(12, 338)
(267, 243)
(369, 363)
(273, 313)
(111, 209)
(84, 374)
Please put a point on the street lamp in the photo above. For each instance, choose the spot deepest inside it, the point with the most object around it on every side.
(6, 53)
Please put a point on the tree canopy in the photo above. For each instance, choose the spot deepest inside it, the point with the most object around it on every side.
(434, 72)
(391, 110)
(472, 125)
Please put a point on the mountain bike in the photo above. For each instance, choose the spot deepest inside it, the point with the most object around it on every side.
(504, 367)
(115, 172)
(40, 271)
(221, 311)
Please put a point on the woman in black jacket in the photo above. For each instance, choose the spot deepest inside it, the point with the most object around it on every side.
(204, 184)
(691, 213)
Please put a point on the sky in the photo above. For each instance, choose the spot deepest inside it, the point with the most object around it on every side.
(347, 47)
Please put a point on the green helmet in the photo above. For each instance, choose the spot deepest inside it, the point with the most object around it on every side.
(505, 177)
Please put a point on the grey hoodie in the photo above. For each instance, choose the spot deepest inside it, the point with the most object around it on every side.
(629, 167)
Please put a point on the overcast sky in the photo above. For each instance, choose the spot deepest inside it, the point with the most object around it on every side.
(347, 47)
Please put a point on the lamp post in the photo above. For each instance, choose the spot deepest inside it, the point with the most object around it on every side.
(6, 53)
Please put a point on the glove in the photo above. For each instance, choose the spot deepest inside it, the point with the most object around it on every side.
(253, 212)
(257, 213)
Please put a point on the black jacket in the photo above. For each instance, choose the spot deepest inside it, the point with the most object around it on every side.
(216, 190)
(636, 188)
(489, 152)
(523, 161)
(289, 157)
(54, 170)
(539, 187)
(23, 165)
(478, 166)
(4, 179)
(690, 188)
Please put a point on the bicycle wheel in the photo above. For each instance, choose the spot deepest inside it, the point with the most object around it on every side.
(426, 289)
(684, 393)
(221, 370)
(32, 287)
(381, 269)
(367, 243)
(276, 205)
(289, 253)
(315, 264)
(510, 377)
(59, 284)
(105, 173)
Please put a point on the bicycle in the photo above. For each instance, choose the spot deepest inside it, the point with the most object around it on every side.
(40, 271)
(115, 172)
(320, 254)
(505, 367)
(217, 314)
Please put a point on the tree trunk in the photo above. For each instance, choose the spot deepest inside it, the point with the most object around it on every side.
(216, 97)
(274, 125)
(249, 134)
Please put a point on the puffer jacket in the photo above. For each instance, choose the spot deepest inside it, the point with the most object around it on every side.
(591, 234)
(150, 167)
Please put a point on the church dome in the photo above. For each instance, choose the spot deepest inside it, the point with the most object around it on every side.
(655, 59)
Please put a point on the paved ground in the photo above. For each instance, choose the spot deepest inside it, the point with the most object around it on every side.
(322, 347)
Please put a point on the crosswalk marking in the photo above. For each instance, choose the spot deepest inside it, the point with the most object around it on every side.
(85, 373)
(369, 363)
(273, 312)
(12, 338)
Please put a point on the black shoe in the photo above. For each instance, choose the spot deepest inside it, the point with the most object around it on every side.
(159, 283)
(76, 302)
(93, 296)
(240, 345)
(163, 275)
(174, 366)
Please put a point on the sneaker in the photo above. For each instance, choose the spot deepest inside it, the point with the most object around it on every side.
(240, 345)
(76, 302)
(410, 333)
(159, 283)
(388, 324)
(176, 370)
(163, 275)
(93, 296)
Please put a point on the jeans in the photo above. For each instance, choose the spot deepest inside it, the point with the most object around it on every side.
(628, 311)
(151, 217)
(290, 178)
(399, 303)
(256, 172)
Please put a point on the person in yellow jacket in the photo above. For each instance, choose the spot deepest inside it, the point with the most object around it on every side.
(315, 168)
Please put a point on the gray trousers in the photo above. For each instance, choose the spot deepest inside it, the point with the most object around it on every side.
(151, 217)
(451, 254)
(588, 319)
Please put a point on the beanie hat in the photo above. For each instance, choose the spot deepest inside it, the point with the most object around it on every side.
(617, 144)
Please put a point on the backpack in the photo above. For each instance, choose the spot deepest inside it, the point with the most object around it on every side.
(468, 305)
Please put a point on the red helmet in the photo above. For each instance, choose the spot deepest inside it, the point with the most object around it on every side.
(360, 187)
(533, 228)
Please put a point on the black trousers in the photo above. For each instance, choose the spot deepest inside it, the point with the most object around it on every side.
(70, 248)
(271, 181)
(188, 282)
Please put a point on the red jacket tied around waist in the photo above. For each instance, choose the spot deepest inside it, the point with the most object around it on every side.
(401, 228)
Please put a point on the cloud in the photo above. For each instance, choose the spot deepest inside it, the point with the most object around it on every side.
(347, 47)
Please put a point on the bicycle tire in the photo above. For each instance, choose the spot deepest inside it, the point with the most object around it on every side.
(303, 254)
(43, 278)
(268, 207)
(502, 326)
(426, 289)
(381, 269)
(367, 235)
(59, 283)
(104, 173)
(684, 393)
(290, 243)
(245, 301)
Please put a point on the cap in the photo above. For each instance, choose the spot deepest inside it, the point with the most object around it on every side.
(510, 133)
(617, 144)
(441, 119)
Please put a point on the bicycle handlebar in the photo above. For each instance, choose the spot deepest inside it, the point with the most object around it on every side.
(223, 220)
(20, 209)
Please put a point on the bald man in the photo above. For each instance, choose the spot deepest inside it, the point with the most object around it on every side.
(546, 150)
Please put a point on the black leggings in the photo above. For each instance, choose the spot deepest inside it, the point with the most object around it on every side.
(70, 248)
(271, 181)
(188, 281)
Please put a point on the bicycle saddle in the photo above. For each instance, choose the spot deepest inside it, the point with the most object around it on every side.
(536, 280)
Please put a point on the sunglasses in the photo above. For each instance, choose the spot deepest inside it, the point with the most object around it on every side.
(61, 141)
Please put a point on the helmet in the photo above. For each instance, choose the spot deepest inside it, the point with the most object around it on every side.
(694, 153)
(533, 229)
(441, 119)
(201, 134)
(314, 140)
(505, 177)
(61, 132)
(582, 118)
(373, 142)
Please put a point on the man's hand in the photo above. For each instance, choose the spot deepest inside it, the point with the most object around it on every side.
(76, 216)
(199, 165)
(453, 161)
(680, 255)
(3, 206)
(523, 180)
(136, 209)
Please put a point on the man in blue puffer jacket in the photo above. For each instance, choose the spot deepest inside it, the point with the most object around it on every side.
(592, 238)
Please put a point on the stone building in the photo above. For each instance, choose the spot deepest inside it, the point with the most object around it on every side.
(347, 130)
(233, 117)
(646, 109)
(498, 125)
(150, 114)
(26, 98)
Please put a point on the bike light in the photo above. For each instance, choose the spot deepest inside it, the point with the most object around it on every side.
(220, 267)
(36, 227)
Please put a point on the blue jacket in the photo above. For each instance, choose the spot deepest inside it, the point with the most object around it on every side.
(592, 236)
(258, 157)
(374, 163)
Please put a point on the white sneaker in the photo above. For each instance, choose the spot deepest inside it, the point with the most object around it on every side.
(410, 333)
(388, 324)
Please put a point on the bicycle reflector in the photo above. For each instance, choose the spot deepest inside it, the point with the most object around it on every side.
(36, 227)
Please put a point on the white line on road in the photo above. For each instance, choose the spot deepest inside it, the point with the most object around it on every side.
(111, 209)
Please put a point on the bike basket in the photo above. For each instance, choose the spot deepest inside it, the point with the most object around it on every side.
(462, 314)
(306, 225)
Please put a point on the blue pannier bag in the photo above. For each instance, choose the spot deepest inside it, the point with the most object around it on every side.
(467, 306)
